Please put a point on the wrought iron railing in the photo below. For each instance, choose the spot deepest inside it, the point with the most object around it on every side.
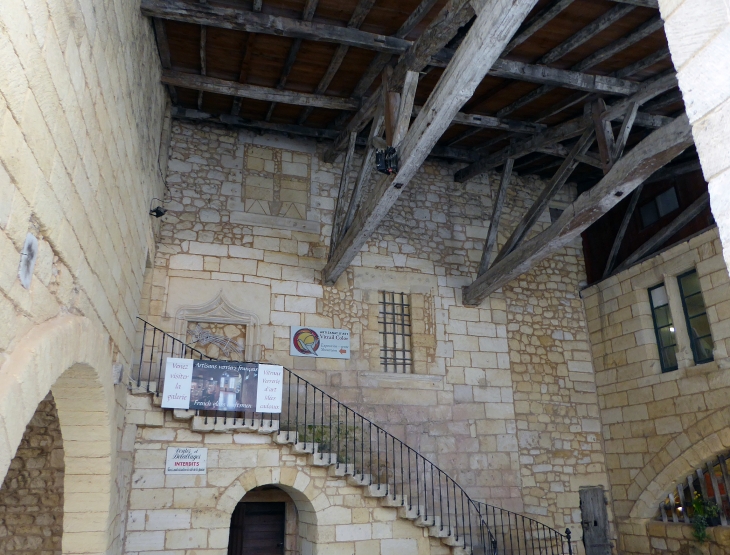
(704, 493)
(324, 427)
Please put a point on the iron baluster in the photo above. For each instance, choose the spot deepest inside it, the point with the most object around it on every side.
(141, 354)
(402, 471)
(152, 354)
(570, 546)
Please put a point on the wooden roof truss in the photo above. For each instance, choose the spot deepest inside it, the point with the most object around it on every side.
(489, 83)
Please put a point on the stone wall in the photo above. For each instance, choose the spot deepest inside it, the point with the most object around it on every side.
(81, 119)
(31, 497)
(658, 427)
(487, 383)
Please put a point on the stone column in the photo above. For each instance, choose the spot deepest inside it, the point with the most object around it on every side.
(698, 32)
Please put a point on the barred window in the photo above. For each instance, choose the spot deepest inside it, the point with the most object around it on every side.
(695, 315)
(394, 319)
(666, 337)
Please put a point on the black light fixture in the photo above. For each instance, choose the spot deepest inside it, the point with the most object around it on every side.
(158, 211)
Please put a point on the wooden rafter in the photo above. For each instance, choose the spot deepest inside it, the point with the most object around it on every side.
(548, 193)
(619, 239)
(488, 35)
(356, 20)
(440, 31)
(163, 47)
(496, 215)
(309, 8)
(537, 23)
(341, 207)
(672, 228)
(203, 62)
(567, 130)
(656, 150)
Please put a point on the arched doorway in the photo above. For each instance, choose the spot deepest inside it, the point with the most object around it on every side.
(265, 522)
(31, 496)
(65, 361)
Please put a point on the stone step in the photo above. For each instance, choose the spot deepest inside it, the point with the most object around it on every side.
(452, 540)
(359, 479)
(461, 551)
(183, 414)
(268, 427)
(341, 470)
(376, 490)
(323, 459)
(395, 501)
(427, 521)
(410, 513)
(439, 531)
(304, 448)
(286, 437)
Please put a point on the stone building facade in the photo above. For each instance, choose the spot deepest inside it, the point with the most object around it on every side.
(524, 400)
(502, 396)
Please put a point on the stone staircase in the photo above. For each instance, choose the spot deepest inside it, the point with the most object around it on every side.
(332, 436)
(416, 514)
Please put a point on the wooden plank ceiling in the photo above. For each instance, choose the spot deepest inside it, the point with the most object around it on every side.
(595, 37)
(573, 71)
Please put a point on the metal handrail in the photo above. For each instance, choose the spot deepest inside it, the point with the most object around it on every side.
(323, 426)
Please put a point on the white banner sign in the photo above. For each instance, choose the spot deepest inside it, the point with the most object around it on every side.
(319, 342)
(178, 379)
(221, 385)
(270, 388)
(186, 460)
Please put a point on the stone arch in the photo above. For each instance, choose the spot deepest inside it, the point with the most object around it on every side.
(306, 491)
(689, 450)
(70, 357)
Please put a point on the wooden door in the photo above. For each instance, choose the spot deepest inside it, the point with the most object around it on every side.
(594, 519)
(257, 529)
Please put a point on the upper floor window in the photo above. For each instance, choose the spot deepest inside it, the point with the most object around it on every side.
(394, 319)
(658, 207)
(695, 314)
(666, 336)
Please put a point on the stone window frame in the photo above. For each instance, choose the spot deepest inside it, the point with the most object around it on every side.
(220, 311)
(684, 352)
(402, 330)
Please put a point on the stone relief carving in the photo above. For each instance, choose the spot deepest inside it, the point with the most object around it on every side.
(222, 326)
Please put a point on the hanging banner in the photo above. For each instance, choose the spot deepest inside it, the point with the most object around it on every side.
(223, 386)
(186, 460)
(319, 342)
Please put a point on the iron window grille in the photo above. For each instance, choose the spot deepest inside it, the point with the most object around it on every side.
(666, 337)
(695, 314)
(394, 319)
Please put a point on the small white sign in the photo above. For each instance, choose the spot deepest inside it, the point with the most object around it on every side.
(319, 342)
(178, 379)
(186, 460)
(270, 388)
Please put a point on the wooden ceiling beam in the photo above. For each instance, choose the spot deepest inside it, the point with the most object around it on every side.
(567, 130)
(537, 23)
(231, 88)
(163, 47)
(641, 3)
(252, 22)
(532, 73)
(597, 57)
(656, 150)
(303, 131)
(497, 21)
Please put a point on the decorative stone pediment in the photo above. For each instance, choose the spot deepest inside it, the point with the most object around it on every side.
(219, 312)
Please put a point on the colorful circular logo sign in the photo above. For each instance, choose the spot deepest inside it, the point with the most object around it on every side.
(306, 341)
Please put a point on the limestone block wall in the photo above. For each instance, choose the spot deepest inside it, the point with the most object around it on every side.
(31, 496)
(658, 427)
(81, 120)
(501, 396)
(698, 33)
(192, 514)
